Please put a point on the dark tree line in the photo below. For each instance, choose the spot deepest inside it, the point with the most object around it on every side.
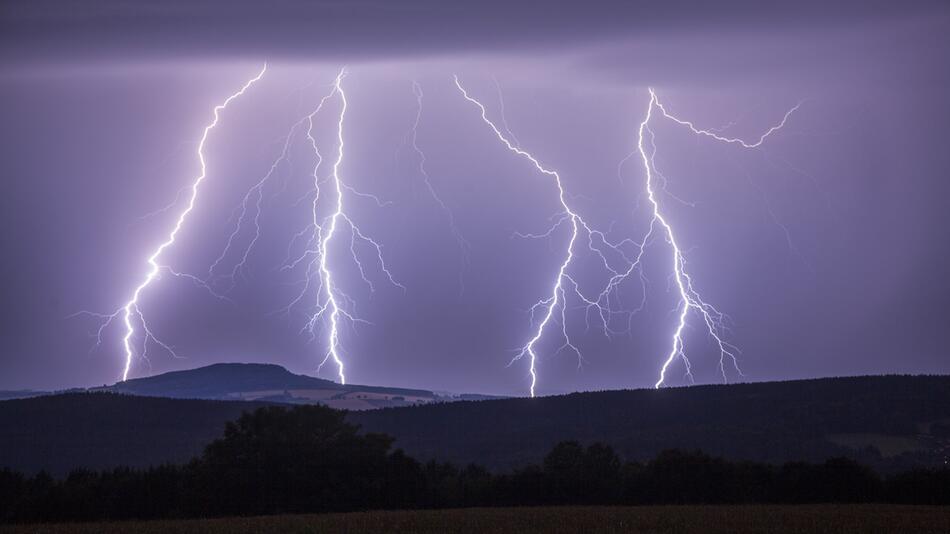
(308, 459)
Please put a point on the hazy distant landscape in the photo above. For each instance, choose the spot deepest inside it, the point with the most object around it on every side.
(267, 383)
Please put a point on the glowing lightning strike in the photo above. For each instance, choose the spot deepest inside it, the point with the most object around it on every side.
(131, 311)
(257, 192)
(333, 343)
(600, 303)
(557, 295)
(331, 299)
(689, 298)
(463, 244)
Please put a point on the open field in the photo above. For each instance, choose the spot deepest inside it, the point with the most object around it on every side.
(819, 519)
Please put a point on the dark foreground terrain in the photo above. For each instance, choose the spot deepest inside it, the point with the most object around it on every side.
(818, 519)
(891, 423)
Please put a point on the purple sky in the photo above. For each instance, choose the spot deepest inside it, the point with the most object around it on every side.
(828, 247)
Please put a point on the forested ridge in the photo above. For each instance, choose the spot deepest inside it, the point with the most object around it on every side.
(891, 423)
(768, 422)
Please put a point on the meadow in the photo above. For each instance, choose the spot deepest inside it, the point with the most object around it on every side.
(752, 519)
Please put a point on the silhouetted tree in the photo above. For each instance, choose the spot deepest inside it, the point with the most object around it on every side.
(287, 460)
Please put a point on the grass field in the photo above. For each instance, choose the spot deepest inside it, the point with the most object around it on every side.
(882, 519)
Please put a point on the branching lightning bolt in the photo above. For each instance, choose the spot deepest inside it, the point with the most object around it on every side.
(255, 193)
(689, 298)
(131, 312)
(332, 302)
(335, 308)
(597, 243)
(463, 244)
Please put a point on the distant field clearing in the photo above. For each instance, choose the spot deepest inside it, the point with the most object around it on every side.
(887, 446)
(883, 519)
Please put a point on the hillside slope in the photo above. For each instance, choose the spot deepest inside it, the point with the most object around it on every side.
(104, 430)
(268, 382)
(891, 422)
(888, 421)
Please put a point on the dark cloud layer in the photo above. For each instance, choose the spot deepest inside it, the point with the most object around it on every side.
(66, 30)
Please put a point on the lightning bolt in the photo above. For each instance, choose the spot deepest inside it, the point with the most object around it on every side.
(463, 244)
(552, 308)
(253, 199)
(332, 302)
(602, 302)
(689, 297)
(256, 192)
(335, 308)
(501, 111)
(131, 312)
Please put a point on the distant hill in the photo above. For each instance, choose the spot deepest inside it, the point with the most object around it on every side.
(891, 422)
(21, 394)
(221, 380)
(272, 383)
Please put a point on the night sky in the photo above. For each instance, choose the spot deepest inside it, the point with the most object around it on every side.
(828, 247)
